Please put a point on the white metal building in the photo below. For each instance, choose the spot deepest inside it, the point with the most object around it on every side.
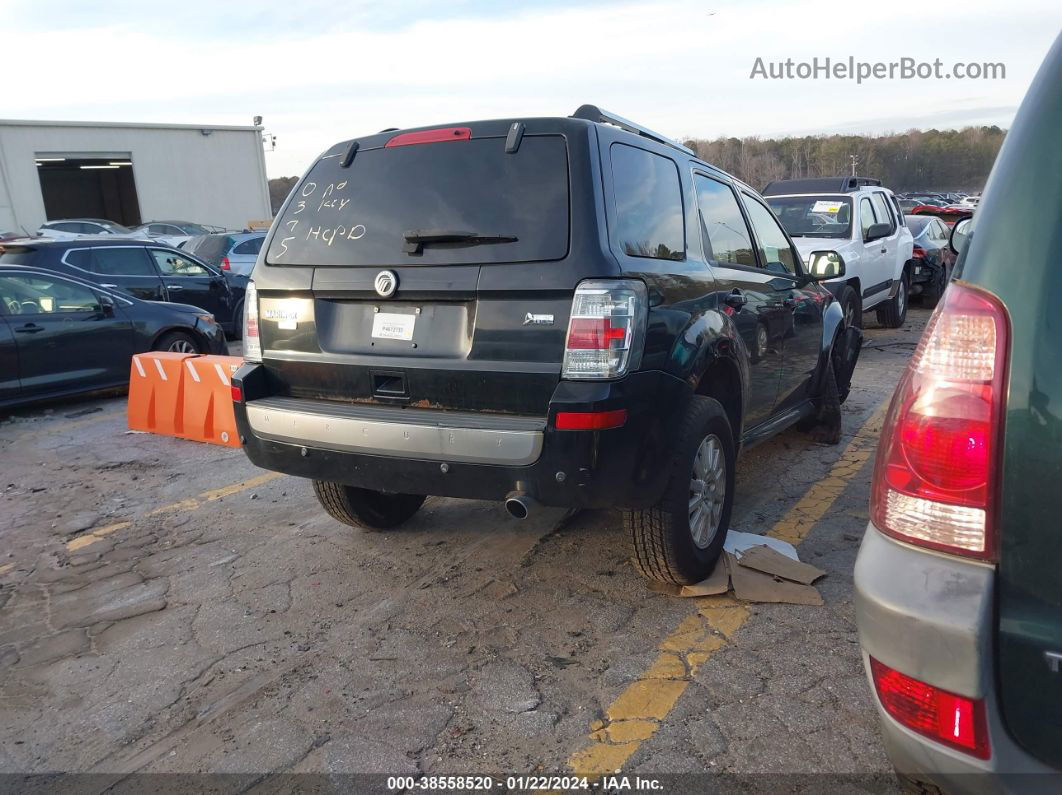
(130, 173)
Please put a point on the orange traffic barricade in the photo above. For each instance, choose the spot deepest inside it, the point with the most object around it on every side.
(156, 394)
(208, 415)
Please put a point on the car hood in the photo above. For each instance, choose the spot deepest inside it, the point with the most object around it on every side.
(805, 245)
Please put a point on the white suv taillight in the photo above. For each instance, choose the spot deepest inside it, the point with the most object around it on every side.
(606, 329)
(936, 479)
(252, 345)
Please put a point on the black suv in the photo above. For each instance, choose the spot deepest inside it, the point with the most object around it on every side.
(570, 311)
(142, 269)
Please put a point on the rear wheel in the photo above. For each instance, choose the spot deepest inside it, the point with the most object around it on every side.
(178, 342)
(365, 508)
(893, 313)
(679, 539)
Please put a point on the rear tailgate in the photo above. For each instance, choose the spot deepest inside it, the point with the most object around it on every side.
(472, 325)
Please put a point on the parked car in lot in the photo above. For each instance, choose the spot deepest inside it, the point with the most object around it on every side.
(958, 594)
(231, 251)
(142, 269)
(62, 336)
(73, 228)
(593, 318)
(863, 222)
(947, 215)
(932, 257)
(171, 233)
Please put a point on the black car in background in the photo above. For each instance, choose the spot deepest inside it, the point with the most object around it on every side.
(63, 336)
(140, 268)
(933, 259)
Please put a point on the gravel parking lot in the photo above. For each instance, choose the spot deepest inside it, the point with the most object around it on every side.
(167, 607)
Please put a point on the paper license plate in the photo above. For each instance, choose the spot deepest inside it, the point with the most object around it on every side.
(391, 326)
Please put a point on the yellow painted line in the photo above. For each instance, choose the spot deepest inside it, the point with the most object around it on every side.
(96, 535)
(190, 504)
(6, 568)
(638, 712)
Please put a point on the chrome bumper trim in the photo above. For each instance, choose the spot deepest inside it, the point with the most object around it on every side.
(390, 437)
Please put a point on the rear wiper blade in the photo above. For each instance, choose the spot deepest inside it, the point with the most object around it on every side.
(416, 239)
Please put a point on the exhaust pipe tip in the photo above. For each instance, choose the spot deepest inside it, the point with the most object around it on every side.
(518, 504)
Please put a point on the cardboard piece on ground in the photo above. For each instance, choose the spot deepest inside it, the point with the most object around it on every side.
(770, 561)
(755, 586)
(716, 583)
(737, 542)
(664, 587)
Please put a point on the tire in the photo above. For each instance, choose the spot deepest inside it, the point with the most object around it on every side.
(825, 426)
(178, 342)
(893, 313)
(664, 546)
(365, 508)
(851, 306)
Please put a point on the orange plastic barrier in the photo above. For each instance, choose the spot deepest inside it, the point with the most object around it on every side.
(208, 415)
(156, 395)
(184, 395)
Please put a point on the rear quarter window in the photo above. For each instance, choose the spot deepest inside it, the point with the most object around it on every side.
(648, 198)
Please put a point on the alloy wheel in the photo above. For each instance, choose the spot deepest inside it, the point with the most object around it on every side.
(707, 491)
(181, 346)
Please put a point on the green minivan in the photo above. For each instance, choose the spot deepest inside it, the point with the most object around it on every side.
(959, 576)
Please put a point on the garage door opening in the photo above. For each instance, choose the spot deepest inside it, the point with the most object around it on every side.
(76, 186)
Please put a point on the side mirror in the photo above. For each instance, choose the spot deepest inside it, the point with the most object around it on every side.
(960, 236)
(877, 231)
(106, 305)
(826, 265)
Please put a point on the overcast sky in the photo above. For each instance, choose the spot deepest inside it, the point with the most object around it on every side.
(320, 71)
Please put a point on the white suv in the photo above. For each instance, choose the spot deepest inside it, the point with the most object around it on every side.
(864, 224)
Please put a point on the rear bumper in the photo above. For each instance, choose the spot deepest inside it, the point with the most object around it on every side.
(931, 616)
(474, 455)
(924, 273)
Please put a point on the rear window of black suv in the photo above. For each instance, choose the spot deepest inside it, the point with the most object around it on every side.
(362, 215)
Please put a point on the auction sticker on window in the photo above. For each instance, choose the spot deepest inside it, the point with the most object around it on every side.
(391, 326)
(827, 207)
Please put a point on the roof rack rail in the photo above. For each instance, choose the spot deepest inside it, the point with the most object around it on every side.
(818, 185)
(594, 113)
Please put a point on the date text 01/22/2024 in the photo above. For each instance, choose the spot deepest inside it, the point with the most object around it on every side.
(615, 783)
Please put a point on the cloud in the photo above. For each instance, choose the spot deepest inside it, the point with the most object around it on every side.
(320, 72)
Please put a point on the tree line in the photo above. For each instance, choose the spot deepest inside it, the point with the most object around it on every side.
(948, 160)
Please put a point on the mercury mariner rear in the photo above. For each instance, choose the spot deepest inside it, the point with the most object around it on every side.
(408, 329)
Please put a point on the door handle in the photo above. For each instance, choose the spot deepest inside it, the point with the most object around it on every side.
(174, 287)
(884, 250)
(29, 328)
(736, 299)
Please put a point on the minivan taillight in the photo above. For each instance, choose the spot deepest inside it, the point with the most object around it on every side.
(606, 329)
(936, 479)
(945, 717)
(252, 345)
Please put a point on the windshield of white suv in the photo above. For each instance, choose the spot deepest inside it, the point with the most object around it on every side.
(813, 216)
